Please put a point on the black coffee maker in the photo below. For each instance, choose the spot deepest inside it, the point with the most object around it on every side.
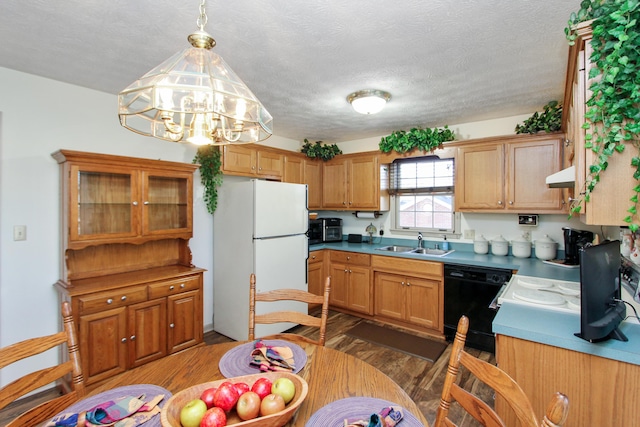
(574, 240)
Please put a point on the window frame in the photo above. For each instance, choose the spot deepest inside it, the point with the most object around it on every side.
(395, 195)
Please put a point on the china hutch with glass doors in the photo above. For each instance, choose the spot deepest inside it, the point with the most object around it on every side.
(126, 263)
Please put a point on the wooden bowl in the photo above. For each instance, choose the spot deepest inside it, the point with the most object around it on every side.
(170, 415)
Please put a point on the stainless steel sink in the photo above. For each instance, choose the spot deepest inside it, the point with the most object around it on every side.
(396, 248)
(430, 251)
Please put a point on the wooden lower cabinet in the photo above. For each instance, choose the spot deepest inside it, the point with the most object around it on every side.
(315, 272)
(351, 281)
(601, 392)
(126, 321)
(409, 299)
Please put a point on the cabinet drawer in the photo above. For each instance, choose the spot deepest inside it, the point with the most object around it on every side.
(316, 256)
(408, 266)
(171, 287)
(351, 258)
(111, 299)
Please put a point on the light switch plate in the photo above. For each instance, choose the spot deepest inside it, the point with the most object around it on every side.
(19, 232)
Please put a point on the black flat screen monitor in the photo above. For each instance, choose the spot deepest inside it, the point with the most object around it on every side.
(601, 309)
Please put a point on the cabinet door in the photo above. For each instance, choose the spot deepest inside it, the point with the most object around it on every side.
(103, 204)
(359, 291)
(185, 320)
(315, 274)
(339, 282)
(167, 201)
(313, 179)
(294, 170)
(389, 295)
(364, 183)
(422, 306)
(147, 325)
(239, 159)
(334, 188)
(269, 163)
(480, 177)
(103, 344)
(528, 165)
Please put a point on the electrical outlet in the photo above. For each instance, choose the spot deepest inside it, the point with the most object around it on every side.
(469, 234)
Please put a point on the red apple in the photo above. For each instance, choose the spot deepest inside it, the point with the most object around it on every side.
(192, 413)
(242, 388)
(248, 406)
(271, 404)
(262, 386)
(207, 396)
(214, 417)
(226, 396)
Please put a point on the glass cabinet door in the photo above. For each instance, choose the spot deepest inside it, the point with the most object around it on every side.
(102, 204)
(167, 201)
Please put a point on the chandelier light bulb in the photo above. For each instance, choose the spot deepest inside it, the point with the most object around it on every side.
(369, 101)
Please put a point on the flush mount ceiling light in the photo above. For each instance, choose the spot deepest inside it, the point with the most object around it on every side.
(194, 96)
(369, 101)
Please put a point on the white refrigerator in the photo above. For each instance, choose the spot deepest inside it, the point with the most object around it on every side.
(258, 227)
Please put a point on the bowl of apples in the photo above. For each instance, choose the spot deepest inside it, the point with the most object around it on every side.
(267, 399)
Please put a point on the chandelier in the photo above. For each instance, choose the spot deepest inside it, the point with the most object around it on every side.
(368, 101)
(195, 97)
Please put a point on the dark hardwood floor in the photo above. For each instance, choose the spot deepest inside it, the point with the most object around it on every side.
(421, 379)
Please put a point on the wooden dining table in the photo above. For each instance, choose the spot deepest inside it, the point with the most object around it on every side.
(331, 375)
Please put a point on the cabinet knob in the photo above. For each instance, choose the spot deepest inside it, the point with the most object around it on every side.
(350, 203)
(171, 287)
(500, 202)
(348, 258)
(135, 203)
(123, 298)
(123, 340)
(408, 283)
(132, 338)
(253, 168)
(171, 325)
(510, 202)
(349, 271)
(259, 169)
(346, 271)
(109, 301)
(146, 202)
(344, 203)
(313, 257)
(402, 283)
(182, 285)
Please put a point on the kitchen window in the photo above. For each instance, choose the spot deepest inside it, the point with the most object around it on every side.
(422, 190)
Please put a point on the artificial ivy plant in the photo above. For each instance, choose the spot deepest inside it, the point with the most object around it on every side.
(422, 139)
(320, 150)
(208, 157)
(613, 110)
(550, 120)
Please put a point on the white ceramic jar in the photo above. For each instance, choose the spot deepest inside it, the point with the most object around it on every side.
(521, 247)
(499, 246)
(481, 245)
(546, 248)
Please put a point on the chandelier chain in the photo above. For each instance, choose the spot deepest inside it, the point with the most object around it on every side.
(202, 19)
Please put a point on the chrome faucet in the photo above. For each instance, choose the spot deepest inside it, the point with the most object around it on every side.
(419, 239)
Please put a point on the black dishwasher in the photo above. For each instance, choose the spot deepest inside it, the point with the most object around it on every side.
(470, 290)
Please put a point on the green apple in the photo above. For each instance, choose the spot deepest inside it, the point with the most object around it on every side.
(285, 388)
(191, 414)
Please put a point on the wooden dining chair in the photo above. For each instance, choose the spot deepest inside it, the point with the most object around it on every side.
(500, 382)
(43, 377)
(289, 316)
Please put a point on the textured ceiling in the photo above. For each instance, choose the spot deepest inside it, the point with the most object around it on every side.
(444, 61)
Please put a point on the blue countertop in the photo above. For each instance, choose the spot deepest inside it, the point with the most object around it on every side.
(515, 320)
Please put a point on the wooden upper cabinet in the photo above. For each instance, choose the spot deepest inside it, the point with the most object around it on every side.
(610, 198)
(313, 179)
(294, 169)
(509, 175)
(113, 199)
(252, 160)
(352, 183)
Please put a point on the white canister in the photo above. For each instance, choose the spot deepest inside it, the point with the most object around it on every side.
(545, 248)
(521, 247)
(499, 246)
(481, 245)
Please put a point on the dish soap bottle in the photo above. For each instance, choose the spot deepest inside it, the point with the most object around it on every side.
(445, 244)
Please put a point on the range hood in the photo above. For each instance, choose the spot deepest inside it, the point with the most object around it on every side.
(566, 178)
